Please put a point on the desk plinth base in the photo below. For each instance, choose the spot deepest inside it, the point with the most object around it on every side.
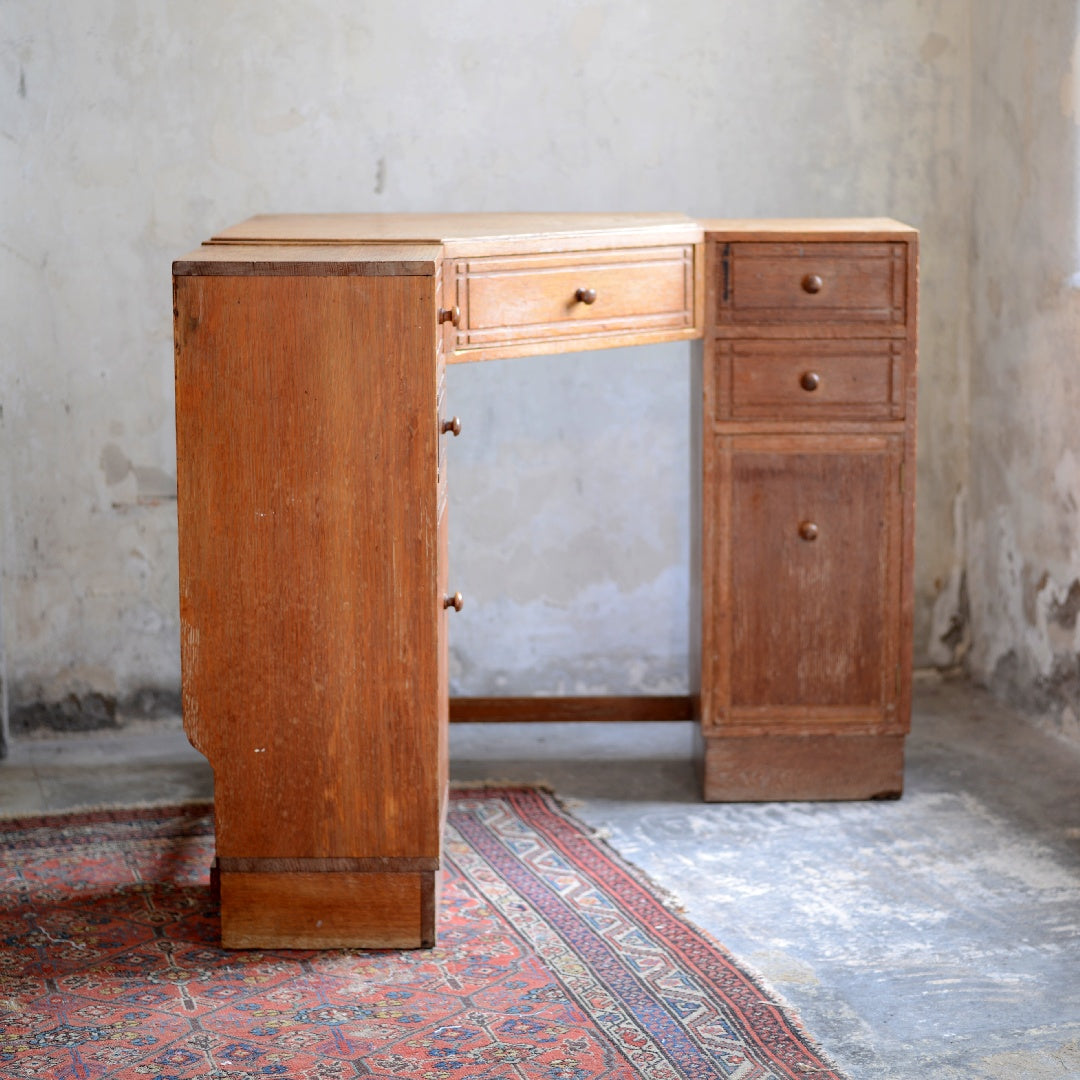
(326, 909)
(778, 768)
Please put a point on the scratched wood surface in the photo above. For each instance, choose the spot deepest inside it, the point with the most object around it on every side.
(307, 457)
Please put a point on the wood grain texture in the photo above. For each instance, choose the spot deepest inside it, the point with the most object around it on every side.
(800, 230)
(612, 709)
(470, 233)
(812, 622)
(536, 295)
(309, 600)
(806, 639)
(326, 260)
(851, 378)
(380, 863)
(325, 910)
(777, 767)
(527, 304)
(701, 406)
(906, 612)
(855, 282)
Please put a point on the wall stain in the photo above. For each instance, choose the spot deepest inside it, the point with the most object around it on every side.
(955, 637)
(1053, 698)
(95, 711)
(151, 483)
(114, 463)
(1065, 612)
(380, 176)
(22, 84)
(933, 46)
(86, 712)
(1030, 591)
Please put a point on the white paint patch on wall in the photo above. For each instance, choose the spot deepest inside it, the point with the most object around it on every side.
(133, 130)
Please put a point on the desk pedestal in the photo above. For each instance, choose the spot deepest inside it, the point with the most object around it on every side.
(312, 555)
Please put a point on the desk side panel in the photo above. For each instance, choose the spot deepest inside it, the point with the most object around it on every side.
(308, 560)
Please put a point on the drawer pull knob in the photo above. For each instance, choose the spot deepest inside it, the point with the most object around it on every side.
(812, 283)
(451, 315)
(810, 380)
(457, 601)
(586, 296)
(452, 426)
(808, 530)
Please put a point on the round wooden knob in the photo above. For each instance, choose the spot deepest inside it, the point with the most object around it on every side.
(453, 426)
(810, 380)
(450, 315)
(586, 296)
(457, 601)
(812, 283)
(808, 530)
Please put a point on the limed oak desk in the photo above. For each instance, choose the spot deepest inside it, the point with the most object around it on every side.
(314, 590)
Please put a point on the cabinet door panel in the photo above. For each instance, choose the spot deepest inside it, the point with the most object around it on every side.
(812, 581)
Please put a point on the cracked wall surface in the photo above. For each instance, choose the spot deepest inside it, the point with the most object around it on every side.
(1023, 557)
(133, 131)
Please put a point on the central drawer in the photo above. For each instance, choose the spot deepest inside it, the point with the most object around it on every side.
(628, 294)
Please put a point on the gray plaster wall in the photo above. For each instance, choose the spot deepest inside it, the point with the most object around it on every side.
(132, 130)
(1023, 551)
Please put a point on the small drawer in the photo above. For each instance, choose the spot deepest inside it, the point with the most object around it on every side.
(845, 379)
(526, 299)
(837, 282)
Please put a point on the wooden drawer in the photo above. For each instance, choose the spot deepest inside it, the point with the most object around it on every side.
(858, 379)
(546, 300)
(812, 282)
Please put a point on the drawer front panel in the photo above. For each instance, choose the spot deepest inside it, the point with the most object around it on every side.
(847, 282)
(840, 379)
(533, 298)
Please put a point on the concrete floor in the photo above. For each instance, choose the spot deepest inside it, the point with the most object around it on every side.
(933, 937)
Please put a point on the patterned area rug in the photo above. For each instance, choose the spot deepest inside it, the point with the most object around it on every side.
(556, 961)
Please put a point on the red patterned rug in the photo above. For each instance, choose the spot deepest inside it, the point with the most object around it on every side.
(556, 961)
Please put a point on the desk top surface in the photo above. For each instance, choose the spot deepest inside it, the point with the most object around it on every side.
(414, 243)
(454, 228)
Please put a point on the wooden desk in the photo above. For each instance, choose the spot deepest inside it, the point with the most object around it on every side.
(314, 592)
